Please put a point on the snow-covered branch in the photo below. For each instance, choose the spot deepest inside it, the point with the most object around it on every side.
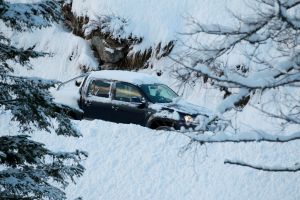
(257, 80)
(259, 53)
(295, 168)
(23, 15)
(28, 169)
(210, 137)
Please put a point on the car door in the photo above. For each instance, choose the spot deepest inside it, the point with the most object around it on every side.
(97, 102)
(127, 104)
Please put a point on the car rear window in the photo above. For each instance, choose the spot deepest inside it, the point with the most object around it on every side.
(99, 88)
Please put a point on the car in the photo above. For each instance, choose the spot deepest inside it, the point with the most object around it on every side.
(137, 98)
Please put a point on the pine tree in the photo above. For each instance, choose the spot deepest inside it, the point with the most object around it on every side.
(30, 169)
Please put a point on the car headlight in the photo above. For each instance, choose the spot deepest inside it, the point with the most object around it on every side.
(188, 119)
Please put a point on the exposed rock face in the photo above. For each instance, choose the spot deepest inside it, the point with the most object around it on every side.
(105, 52)
(112, 53)
(72, 22)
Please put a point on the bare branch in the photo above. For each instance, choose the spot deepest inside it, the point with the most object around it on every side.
(237, 81)
(288, 118)
(241, 137)
(296, 168)
(291, 4)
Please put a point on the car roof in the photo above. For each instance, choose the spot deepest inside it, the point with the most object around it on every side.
(136, 78)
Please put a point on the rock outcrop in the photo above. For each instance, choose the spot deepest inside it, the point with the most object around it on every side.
(112, 52)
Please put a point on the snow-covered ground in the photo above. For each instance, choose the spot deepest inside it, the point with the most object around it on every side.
(133, 162)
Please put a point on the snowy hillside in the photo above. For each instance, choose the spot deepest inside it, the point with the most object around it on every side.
(133, 162)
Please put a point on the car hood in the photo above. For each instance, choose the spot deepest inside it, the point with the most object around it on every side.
(182, 106)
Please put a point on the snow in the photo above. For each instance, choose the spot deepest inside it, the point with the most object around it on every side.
(154, 21)
(126, 76)
(181, 105)
(167, 114)
(228, 102)
(133, 162)
(245, 137)
(68, 95)
(67, 52)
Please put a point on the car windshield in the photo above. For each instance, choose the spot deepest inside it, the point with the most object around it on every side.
(158, 93)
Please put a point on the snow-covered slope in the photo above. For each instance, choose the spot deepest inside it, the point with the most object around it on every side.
(132, 162)
(67, 53)
(157, 21)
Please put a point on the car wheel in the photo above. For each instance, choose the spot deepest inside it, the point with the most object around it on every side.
(165, 128)
(76, 115)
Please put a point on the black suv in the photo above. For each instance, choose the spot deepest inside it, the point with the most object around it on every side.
(131, 97)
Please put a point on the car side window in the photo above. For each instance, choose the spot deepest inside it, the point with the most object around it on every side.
(99, 88)
(127, 93)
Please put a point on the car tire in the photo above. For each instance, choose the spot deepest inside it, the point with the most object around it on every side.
(164, 128)
(76, 115)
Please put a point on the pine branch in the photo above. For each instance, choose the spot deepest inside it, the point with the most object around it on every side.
(19, 149)
(23, 16)
(28, 182)
(18, 55)
(10, 101)
(22, 56)
(35, 106)
(31, 167)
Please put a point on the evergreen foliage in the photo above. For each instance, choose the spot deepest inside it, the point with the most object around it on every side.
(30, 166)
(22, 16)
(30, 170)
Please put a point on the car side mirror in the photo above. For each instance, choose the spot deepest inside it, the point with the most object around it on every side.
(78, 82)
(140, 102)
(142, 105)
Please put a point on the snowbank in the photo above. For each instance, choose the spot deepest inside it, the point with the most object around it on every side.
(132, 162)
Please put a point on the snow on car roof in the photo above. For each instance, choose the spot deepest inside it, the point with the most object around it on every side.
(126, 76)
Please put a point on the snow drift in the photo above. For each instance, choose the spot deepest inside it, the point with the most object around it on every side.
(132, 162)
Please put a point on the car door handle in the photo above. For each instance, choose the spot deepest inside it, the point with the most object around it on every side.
(115, 107)
(88, 103)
